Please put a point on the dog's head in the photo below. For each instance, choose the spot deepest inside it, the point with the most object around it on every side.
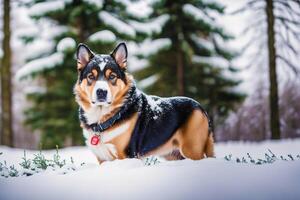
(101, 78)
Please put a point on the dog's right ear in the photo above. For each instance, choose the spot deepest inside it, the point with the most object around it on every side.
(83, 55)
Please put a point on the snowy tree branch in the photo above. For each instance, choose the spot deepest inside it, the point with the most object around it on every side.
(285, 19)
(257, 23)
(285, 4)
(287, 44)
(251, 4)
(288, 63)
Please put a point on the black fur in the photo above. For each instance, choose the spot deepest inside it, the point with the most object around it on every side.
(110, 64)
(155, 126)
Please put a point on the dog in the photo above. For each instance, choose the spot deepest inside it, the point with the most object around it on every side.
(119, 121)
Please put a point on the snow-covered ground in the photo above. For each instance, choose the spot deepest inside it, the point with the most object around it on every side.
(213, 178)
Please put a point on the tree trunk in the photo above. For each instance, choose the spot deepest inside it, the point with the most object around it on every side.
(6, 87)
(273, 97)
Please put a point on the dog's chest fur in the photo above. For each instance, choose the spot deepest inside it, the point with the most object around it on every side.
(94, 114)
(105, 150)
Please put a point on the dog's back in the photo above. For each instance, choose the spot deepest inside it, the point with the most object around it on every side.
(159, 119)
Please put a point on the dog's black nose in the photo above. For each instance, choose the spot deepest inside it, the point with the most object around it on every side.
(101, 95)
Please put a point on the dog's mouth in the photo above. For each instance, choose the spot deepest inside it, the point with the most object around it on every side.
(101, 102)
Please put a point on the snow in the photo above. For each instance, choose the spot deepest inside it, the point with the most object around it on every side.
(154, 26)
(49, 30)
(212, 178)
(219, 62)
(98, 3)
(46, 7)
(282, 147)
(27, 32)
(103, 36)
(66, 44)
(38, 48)
(117, 24)
(136, 64)
(44, 32)
(40, 64)
(148, 81)
(149, 47)
(139, 9)
(198, 14)
(154, 104)
(204, 43)
(34, 89)
(216, 61)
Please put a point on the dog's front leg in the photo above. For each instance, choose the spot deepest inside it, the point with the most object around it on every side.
(100, 161)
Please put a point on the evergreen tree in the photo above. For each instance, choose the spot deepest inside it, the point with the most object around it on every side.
(54, 112)
(188, 56)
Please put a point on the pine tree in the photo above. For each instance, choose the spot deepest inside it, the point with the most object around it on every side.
(54, 112)
(190, 57)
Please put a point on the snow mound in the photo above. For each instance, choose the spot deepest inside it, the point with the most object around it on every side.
(197, 13)
(213, 178)
(150, 47)
(46, 7)
(66, 44)
(40, 64)
(215, 61)
(154, 26)
(139, 9)
(120, 26)
(98, 3)
(148, 81)
(103, 36)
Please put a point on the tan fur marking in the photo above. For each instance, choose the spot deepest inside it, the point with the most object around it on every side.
(95, 72)
(107, 72)
(79, 66)
(121, 142)
(168, 147)
(192, 139)
(195, 135)
(81, 97)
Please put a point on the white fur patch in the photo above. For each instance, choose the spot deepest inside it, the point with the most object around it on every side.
(104, 150)
(94, 114)
(109, 135)
(104, 86)
(102, 65)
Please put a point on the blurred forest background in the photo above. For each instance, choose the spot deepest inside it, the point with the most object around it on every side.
(239, 59)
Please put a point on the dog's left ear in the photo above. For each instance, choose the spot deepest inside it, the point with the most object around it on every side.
(120, 55)
(83, 55)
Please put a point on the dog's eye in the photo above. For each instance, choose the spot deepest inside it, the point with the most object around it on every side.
(112, 77)
(91, 77)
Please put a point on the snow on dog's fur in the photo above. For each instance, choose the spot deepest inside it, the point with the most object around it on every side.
(119, 121)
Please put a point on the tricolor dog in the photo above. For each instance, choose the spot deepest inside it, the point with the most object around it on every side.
(119, 121)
